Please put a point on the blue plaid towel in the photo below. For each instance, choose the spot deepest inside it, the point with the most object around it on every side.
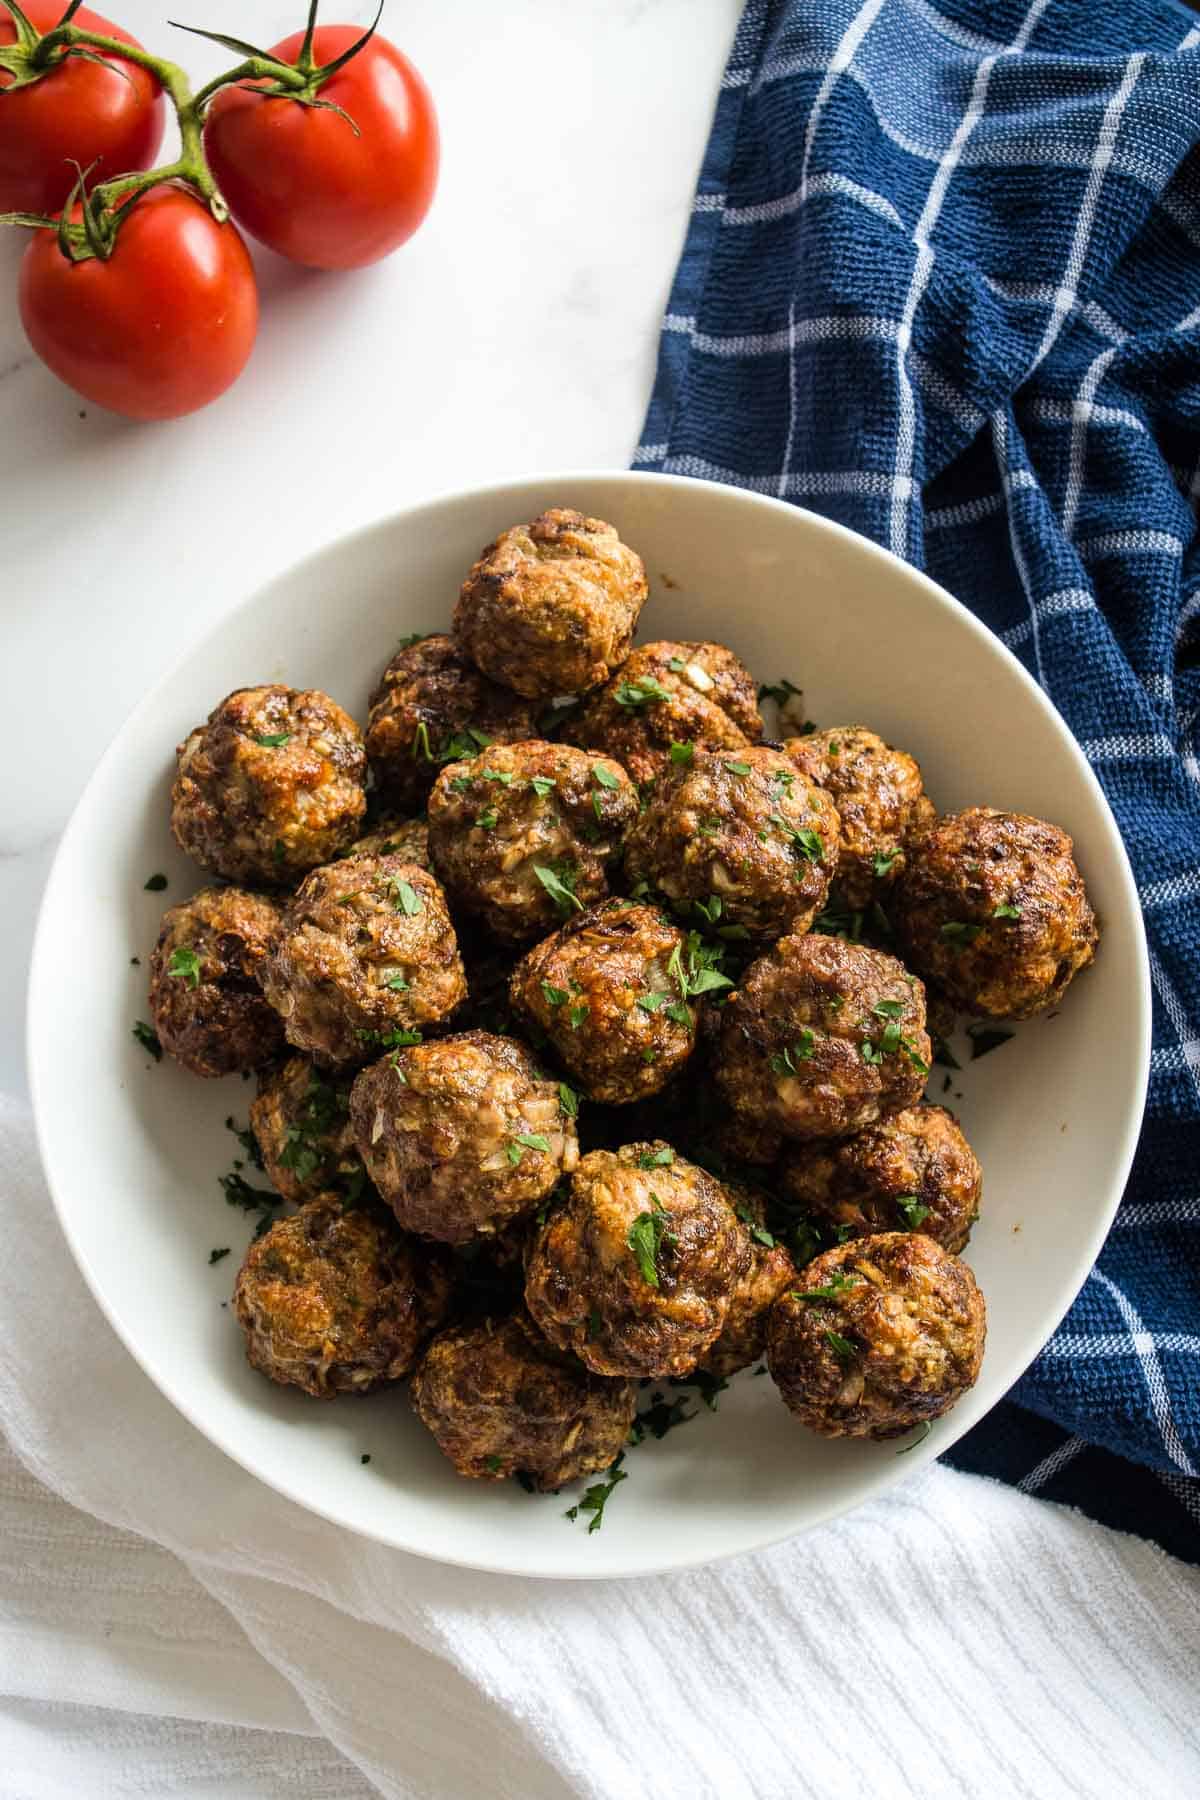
(942, 283)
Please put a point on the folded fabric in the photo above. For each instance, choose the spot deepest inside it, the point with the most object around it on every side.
(942, 283)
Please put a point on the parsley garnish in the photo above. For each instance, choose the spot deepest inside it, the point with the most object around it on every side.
(651, 1002)
(559, 884)
(397, 984)
(577, 1015)
(677, 665)
(239, 1193)
(835, 1288)
(488, 819)
(493, 1464)
(390, 1039)
(596, 1497)
(148, 1039)
(405, 898)
(682, 753)
(835, 747)
(247, 1140)
(912, 1211)
(646, 1237)
(784, 1063)
(661, 1416)
(503, 776)
(555, 996)
(185, 966)
(656, 1159)
(640, 693)
(1006, 912)
(542, 784)
(155, 884)
(841, 1346)
(888, 1009)
(780, 691)
(960, 934)
(568, 1100)
(420, 745)
(883, 862)
(757, 1231)
(532, 1140)
(605, 777)
(737, 768)
(215, 1256)
(274, 740)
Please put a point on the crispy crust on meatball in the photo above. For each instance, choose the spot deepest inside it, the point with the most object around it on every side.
(639, 1213)
(392, 835)
(744, 832)
(667, 693)
(606, 990)
(771, 1272)
(207, 1006)
(914, 1171)
(992, 910)
(894, 1337)
(270, 786)
(367, 950)
(498, 1398)
(881, 802)
(301, 1122)
(550, 608)
(336, 1301)
(516, 808)
(432, 706)
(461, 1135)
(823, 1038)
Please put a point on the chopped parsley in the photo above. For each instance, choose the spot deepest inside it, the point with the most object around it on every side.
(784, 1062)
(532, 1140)
(888, 1009)
(247, 1199)
(568, 1100)
(397, 984)
(390, 1039)
(677, 665)
(656, 1159)
(542, 784)
(463, 745)
(737, 768)
(912, 1211)
(959, 933)
(841, 1346)
(682, 753)
(661, 1416)
(247, 1140)
(488, 819)
(597, 1497)
(884, 860)
(148, 1039)
(758, 1232)
(404, 897)
(651, 1002)
(554, 996)
(834, 1289)
(1006, 912)
(274, 740)
(216, 1256)
(640, 693)
(646, 1237)
(559, 883)
(503, 776)
(577, 1015)
(605, 777)
(835, 747)
(493, 1464)
(155, 884)
(780, 691)
(185, 965)
(696, 974)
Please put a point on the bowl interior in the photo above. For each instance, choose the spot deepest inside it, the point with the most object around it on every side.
(133, 1150)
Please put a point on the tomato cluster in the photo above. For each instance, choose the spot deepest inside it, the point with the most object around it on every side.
(140, 292)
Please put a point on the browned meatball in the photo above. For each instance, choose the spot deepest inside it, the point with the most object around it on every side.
(612, 990)
(879, 1335)
(880, 800)
(742, 837)
(635, 1272)
(522, 835)
(822, 1038)
(665, 699)
(499, 1399)
(301, 1123)
(271, 786)
(914, 1171)
(992, 910)
(771, 1273)
(336, 1301)
(550, 608)
(431, 706)
(462, 1135)
(207, 1006)
(391, 835)
(367, 955)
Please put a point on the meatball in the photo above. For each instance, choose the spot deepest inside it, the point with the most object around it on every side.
(914, 1171)
(822, 1038)
(635, 1272)
(367, 955)
(391, 835)
(431, 706)
(336, 1301)
(500, 1400)
(771, 1273)
(611, 989)
(880, 800)
(462, 1135)
(301, 1123)
(271, 786)
(207, 1006)
(550, 608)
(744, 838)
(881, 1334)
(992, 911)
(666, 695)
(522, 834)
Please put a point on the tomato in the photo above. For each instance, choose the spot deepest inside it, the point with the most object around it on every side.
(298, 179)
(160, 328)
(113, 115)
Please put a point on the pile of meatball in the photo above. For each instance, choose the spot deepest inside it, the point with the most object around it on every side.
(581, 1060)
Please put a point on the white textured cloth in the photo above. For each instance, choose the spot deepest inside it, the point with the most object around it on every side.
(955, 1638)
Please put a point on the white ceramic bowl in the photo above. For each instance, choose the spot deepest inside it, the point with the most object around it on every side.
(133, 1150)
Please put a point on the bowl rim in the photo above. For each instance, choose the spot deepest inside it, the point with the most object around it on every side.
(447, 500)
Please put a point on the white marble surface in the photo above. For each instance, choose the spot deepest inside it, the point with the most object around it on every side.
(516, 332)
